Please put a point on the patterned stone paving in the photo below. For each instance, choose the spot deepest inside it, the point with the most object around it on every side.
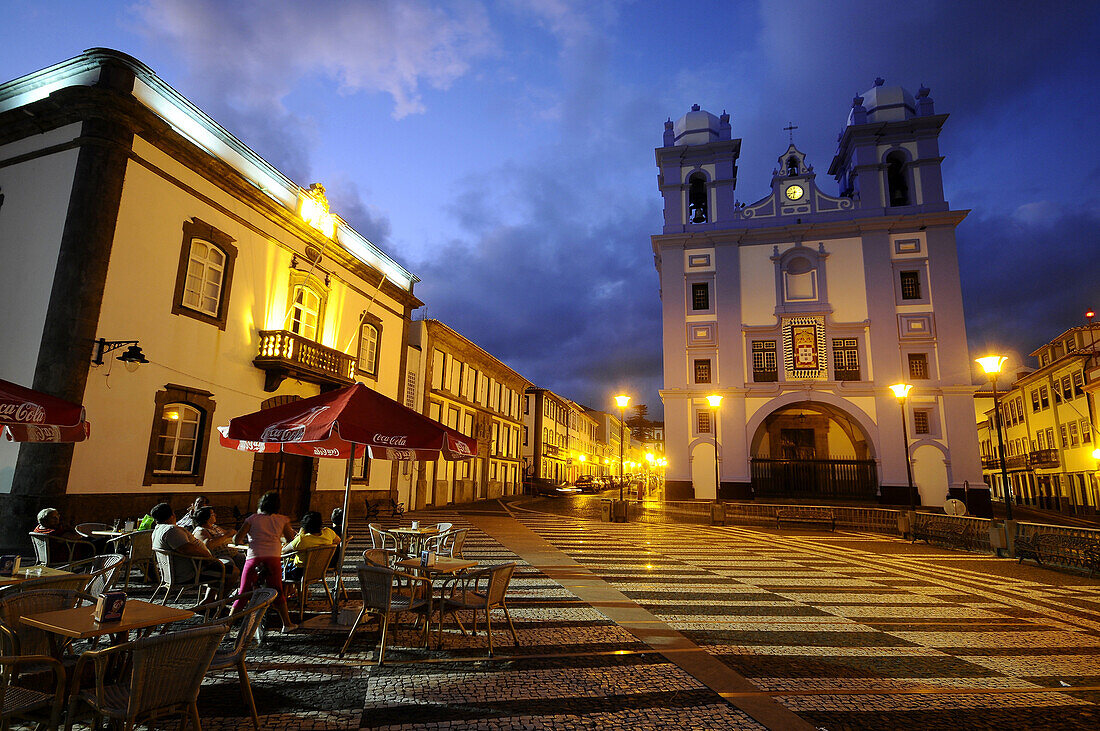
(845, 630)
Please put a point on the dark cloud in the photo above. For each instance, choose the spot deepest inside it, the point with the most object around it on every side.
(344, 196)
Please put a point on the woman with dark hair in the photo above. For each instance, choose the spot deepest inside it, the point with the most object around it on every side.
(312, 534)
(216, 538)
(265, 530)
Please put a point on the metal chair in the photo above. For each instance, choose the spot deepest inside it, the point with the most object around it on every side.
(482, 590)
(164, 677)
(138, 549)
(314, 568)
(101, 571)
(174, 575)
(381, 598)
(242, 626)
(381, 539)
(46, 545)
(19, 702)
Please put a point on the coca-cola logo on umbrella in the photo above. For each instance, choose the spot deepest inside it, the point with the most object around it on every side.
(392, 440)
(25, 412)
(292, 430)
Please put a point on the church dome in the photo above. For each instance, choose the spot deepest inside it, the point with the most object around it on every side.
(887, 104)
(698, 127)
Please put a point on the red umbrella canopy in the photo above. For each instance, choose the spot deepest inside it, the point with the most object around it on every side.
(30, 416)
(334, 423)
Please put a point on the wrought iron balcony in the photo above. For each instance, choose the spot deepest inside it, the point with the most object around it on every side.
(991, 463)
(1043, 458)
(1017, 462)
(284, 354)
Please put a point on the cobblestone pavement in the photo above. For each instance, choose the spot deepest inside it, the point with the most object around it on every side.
(697, 627)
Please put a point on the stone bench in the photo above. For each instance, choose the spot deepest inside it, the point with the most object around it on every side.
(1060, 550)
(805, 515)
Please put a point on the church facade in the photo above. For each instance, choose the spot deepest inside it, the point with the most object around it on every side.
(802, 309)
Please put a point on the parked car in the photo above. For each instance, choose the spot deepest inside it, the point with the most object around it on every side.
(588, 483)
(549, 487)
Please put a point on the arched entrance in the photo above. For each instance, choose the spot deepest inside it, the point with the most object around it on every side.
(811, 449)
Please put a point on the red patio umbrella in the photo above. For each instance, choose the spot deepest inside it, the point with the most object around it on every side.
(343, 424)
(30, 416)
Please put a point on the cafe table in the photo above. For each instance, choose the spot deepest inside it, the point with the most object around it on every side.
(413, 537)
(79, 623)
(32, 572)
(443, 567)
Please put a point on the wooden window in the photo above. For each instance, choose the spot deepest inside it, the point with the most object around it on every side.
(918, 366)
(702, 370)
(180, 435)
(1035, 400)
(1086, 431)
(1044, 397)
(1062, 433)
(1078, 384)
(846, 359)
(204, 274)
(700, 296)
(765, 364)
(367, 361)
(305, 311)
(910, 285)
(921, 421)
(1073, 438)
(702, 421)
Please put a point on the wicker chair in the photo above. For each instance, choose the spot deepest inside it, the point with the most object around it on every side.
(46, 548)
(101, 570)
(314, 568)
(476, 591)
(64, 582)
(242, 626)
(380, 588)
(381, 539)
(21, 639)
(171, 578)
(449, 543)
(382, 557)
(444, 527)
(20, 702)
(165, 674)
(138, 549)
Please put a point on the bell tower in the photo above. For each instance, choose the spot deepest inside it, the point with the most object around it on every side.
(888, 154)
(698, 171)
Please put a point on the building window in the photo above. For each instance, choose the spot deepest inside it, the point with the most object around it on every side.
(846, 359)
(1050, 438)
(702, 421)
(1078, 384)
(1044, 397)
(765, 368)
(204, 274)
(700, 296)
(918, 366)
(305, 311)
(702, 371)
(1041, 439)
(1034, 400)
(1073, 439)
(897, 179)
(921, 421)
(910, 285)
(179, 436)
(360, 469)
(1062, 433)
(1086, 431)
(697, 198)
(367, 361)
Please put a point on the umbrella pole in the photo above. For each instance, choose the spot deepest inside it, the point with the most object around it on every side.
(344, 532)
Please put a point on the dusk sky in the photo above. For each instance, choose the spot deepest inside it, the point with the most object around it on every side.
(503, 151)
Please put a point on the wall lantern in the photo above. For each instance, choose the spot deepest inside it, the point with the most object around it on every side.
(133, 357)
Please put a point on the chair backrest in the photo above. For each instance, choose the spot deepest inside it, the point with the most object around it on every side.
(101, 571)
(315, 562)
(41, 548)
(382, 557)
(499, 578)
(168, 668)
(376, 585)
(444, 527)
(457, 540)
(171, 565)
(22, 639)
(378, 539)
(244, 621)
(141, 545)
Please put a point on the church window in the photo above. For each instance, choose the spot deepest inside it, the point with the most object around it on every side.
(702, 421)
(700, 296)
(697, 199)
(846, 359)
(921, 421)
(702, 370)
(896, 179)
(764, 362)
(910, 285)
(918, 366)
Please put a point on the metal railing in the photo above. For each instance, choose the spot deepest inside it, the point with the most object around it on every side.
(830, 479)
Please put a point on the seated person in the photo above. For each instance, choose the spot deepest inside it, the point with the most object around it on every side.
(49, 522)
(188, 522)
(311, 535)
(214, 537)
(167, 536)
(337, 527)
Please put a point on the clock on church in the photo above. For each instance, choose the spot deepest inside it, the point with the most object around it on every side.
(795, 192)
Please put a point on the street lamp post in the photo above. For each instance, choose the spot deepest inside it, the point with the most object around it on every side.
(621, 402)
(901, 391)
(715, 401)
(992, 365)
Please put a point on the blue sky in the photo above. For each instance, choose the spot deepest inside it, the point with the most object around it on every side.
(503, 151)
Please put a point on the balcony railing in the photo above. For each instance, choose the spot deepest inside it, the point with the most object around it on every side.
(285, 354)
(1043, 458)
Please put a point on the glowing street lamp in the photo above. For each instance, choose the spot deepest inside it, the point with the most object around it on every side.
(901, 392)
(621, 401)
(715, 401)
(992, 365)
